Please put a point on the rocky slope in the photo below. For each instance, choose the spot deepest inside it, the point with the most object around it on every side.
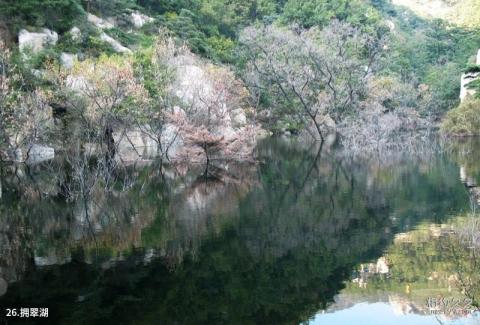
(459, 12)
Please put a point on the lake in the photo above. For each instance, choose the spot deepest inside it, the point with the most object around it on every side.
(307, 234)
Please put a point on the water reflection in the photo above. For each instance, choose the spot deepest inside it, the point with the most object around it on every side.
(305, 229)
(431, 271)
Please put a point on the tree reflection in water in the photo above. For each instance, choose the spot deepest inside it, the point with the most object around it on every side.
(271, 242)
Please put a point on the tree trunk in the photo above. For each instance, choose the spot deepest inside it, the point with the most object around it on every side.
(110, 142)
(207, 166)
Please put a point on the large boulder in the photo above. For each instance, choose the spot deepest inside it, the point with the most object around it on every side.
(238, 117)
(134, 144)
(197, 86)
(68, 60)
(142, 143)
(75, 33)
(38, 153)
(117, 47)
(171, 141)
(139, 19)
(36, 41)
(100, 22)
(466, 79)
(212, 95)
(77, 83)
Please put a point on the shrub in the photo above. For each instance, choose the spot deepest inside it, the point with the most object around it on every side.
(473, 68)
(475, 85)
(110, 7)
(89, 43)
(221, 48)
(59, 15)
(463, 120)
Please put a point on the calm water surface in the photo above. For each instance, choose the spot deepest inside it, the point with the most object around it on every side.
(307, 235)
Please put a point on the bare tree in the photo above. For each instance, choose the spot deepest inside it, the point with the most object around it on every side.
(310, 75)
(24, 112)
(206, 125)
(104, 96)
(156, 72)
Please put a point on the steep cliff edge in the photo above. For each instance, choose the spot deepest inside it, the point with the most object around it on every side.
(467, 78)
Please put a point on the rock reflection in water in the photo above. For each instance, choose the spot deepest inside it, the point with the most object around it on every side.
(271, 242)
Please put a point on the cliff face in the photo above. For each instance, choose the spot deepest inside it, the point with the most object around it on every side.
(466, 79)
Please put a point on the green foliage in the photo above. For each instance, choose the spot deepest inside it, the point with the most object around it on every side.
(429, 52)
(444, 86)
(123, 37)
(183, 25)
(162, 7)
(89, 44)
(59, 15)
(420, 51)
(108, 8)
(211, 27)
(308, 13)
(221, 47)
(154, 74)
(475, 85)
(473, 68)
(463, 120)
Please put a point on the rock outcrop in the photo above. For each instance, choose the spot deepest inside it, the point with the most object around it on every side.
(108, 23)
(142, 143)
(38, 153)
(196, 87)
(76, 33)
(464, 90)
(134, 145)
(36, 41)
(117, 47)
(100, 22)
(466, 79)
(139, 19)
(68, 60)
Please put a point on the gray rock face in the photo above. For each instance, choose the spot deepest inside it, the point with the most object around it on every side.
(134, 145)
(117, 47)
(196, 87)
(138, 19)
(76, 33)
(77, 83)
(38, 153)
(100, 22)
(466, 79)
(390, 25)
(238, 117)
(68, 60)
(171, 142)
(142, 143)
(36, 41)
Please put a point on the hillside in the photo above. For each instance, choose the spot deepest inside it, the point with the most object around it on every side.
(459, 12)
(269, 65)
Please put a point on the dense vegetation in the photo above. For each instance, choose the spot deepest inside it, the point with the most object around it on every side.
(412, 65)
